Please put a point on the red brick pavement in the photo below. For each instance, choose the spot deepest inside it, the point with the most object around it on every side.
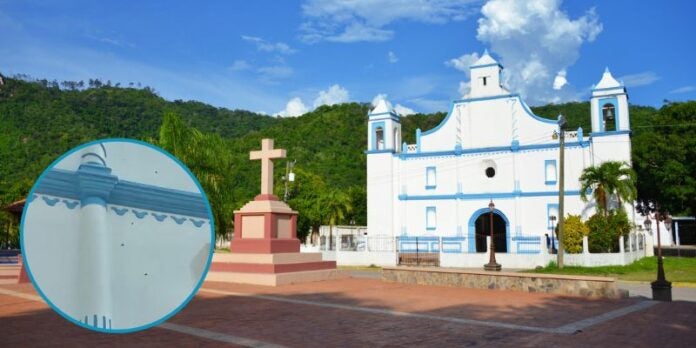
(285, 315)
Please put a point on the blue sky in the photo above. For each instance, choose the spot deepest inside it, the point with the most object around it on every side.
(288, 57)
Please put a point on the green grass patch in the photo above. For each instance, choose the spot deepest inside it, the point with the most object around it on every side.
(222, 250)
(677, 269)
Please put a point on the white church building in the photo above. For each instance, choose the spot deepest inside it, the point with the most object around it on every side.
(489, 148)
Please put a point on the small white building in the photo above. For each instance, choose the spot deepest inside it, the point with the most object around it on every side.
(489, 148)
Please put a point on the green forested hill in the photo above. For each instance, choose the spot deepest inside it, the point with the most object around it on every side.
(39, 121)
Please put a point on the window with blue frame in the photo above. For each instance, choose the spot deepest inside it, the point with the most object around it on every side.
(430, 218)
(550, 173)
(430, 178)
(609, 117)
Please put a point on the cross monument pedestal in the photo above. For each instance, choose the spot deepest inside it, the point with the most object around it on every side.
(265, 249)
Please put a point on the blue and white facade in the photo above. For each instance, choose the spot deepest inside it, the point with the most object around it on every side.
(489, 147)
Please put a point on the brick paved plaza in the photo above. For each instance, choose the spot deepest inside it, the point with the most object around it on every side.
(368, 312)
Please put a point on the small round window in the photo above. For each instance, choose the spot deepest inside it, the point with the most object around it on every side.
(490, 172)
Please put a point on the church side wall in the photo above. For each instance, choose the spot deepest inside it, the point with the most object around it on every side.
(379, 193)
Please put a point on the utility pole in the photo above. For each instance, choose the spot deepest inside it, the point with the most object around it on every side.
(561, 189)
(288, 178)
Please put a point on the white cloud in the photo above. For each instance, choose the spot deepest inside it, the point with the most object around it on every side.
(266, 46)
(379, 97)
(640, 79)
(353, 21)
(400, 109)
(463, 62)
(392, 58)
(464, 88)
(275, 72)
(403, 111)
(685, 89)
(535, 40)
(334, 95)
(560, 80)
(239, 65)
(295, 107)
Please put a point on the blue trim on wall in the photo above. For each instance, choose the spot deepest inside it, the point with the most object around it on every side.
(525, 107)
(430, 185)
(622, 88)
(418, 140)
(428, 226)
(547, 181)
(374, 126)
(495, 149)
(395, 119)
(472, 227)
(492, 195)
(95, 188)
(379, 151)
(393, 114)
(486, 66)
(443, 122)
(549, 207)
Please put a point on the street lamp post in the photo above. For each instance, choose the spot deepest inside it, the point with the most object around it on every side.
(553, 228)
(661, 288)
(492, 265)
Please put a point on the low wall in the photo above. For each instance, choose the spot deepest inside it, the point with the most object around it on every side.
(596, 287)
(366, 258)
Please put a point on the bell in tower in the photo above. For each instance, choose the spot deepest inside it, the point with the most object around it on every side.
(609, 113)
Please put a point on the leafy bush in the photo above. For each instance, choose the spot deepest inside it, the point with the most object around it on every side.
(574, 229)
(605, 231)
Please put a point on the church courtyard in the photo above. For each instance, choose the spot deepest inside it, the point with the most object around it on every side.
(363, 312)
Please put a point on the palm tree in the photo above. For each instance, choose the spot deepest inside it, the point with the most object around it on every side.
(336, 205)
(207, 156)
(609, 179)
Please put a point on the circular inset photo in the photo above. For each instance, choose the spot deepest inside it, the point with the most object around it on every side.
(117, 235)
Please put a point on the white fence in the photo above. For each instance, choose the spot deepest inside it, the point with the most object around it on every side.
(522, 251)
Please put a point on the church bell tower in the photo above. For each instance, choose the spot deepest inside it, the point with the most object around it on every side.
(609, 105)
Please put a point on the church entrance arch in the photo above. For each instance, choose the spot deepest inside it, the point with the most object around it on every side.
(480, 228)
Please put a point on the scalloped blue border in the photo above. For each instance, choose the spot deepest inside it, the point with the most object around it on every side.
(173, 312)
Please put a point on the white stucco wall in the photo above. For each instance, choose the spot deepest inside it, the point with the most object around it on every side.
(494, 129)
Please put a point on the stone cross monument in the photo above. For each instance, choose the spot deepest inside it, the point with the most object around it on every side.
(265, 249)
(265, 224)
(266, 155)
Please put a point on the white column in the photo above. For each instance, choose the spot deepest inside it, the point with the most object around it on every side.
(585, 245)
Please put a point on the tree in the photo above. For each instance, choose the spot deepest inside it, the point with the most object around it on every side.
(305, 197)
(208, 158)
(664, 155)
(335, 205)
(609, 179)
(574, 230)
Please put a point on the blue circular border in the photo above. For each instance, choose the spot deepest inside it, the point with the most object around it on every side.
(207, 266)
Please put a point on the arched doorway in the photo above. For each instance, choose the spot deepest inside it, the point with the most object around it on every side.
(480, 228)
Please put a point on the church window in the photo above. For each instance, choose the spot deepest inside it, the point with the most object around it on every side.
(430, 218)
(550, 172)
(490, 172)
(430, 178)
(379, 136)
(485, 80)
(609, 117)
